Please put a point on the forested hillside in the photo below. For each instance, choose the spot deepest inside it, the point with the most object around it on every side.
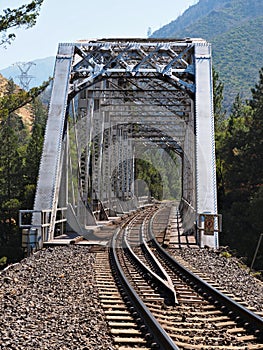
(238, 55)
(239, 150)
(22, 124)
(39, 71)
(235, 29)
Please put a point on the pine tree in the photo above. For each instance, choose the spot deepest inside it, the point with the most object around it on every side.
(254, 151)
(254, 156)
(23, 16)
(257, 92)
(14, 136)
(241, 154)
(218, 96)
(219, 121)
(11, 160)
(33, 153)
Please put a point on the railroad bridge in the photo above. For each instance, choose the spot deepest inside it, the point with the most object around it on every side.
(114, 103)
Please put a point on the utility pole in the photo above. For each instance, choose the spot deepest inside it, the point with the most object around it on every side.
(24, 77)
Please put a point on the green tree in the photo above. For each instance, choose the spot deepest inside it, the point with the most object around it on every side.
(11, 160)
(19, 98)
(254, 155)
(15, 178)
(23, 16)
(160, 170)
(257, 92)
(240, 151)
(20, 152)
(219, 121)
(33, 152)
(254, 151)
(218, 97)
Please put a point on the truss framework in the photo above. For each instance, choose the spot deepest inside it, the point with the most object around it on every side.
(115, 92)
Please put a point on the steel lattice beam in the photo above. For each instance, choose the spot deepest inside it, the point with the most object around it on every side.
(119, 93)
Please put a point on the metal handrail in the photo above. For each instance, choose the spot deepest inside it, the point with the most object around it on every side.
(29, 211)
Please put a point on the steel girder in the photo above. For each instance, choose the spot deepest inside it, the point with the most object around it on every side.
(163, 86)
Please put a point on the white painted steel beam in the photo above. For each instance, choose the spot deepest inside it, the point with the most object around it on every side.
(49, 173)
(154, 92)
(206, 200)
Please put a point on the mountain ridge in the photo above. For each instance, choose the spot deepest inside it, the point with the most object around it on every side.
(233, 28)
(181, 21)
(40, 71)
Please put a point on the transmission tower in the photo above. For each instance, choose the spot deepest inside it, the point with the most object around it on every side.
(24, 77)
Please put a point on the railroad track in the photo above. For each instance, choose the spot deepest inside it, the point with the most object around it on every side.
(151, 301)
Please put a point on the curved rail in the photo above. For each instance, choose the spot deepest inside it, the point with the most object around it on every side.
(160, 336)
(161, 277)
(145, 247)
(234, 310)
(145, 267)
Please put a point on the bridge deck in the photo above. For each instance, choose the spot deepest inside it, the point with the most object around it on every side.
(99, 235)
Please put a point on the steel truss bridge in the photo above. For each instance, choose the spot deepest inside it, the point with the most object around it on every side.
(114, 102)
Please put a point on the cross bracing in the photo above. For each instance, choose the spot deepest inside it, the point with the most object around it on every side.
(113, 101)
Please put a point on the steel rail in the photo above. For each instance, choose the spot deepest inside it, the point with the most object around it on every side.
(178, 230)
(234, 310)
(150, 274)
(158, 333)
(156, 263)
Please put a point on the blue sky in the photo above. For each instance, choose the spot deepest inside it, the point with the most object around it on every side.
(70, 20)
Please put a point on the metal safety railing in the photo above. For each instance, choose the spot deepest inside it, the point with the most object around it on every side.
(35, 225)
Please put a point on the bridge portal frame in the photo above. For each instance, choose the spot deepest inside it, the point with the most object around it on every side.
(79, 65)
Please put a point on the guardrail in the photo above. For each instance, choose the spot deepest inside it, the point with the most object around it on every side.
(34, 234)
(35, 224)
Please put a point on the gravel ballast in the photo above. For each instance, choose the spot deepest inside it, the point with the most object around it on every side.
(228, 272)
(49, 301)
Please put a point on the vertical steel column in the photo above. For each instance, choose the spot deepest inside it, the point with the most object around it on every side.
(89, 132)
(188, 178)
(106, 158)
(130, 174)
(97, 154)
(64, 189)
(47, 188)
(206, 201)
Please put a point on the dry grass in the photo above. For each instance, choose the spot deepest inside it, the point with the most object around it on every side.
(25, 112)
